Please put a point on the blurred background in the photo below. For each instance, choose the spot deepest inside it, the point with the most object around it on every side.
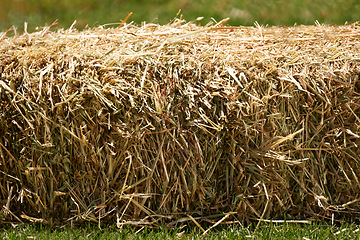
(92, 13)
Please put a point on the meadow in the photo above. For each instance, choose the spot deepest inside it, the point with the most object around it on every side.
(264, 231)
(241, 12)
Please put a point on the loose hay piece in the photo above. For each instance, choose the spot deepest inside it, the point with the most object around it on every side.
(178, 123)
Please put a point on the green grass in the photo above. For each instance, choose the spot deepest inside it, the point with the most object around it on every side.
(241, 12)
(265, 231)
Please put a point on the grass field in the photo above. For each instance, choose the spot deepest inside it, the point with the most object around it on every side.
(241, 12)
(265, 231)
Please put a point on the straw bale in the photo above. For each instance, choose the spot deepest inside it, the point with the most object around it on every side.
(180, 124)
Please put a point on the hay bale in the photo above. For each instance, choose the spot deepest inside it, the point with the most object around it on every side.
(166, 124)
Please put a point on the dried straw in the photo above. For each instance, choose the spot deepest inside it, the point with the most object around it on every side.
(174, 124)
